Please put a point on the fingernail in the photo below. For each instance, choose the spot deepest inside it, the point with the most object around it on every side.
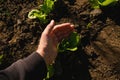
(72, 25)
(52, 21)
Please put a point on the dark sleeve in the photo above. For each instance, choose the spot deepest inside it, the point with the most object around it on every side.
(31, 68)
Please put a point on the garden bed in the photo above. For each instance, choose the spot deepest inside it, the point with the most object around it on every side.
(97, 57)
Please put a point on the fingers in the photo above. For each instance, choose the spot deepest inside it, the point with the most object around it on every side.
(62, 31)
(63, 27)
(49, 27)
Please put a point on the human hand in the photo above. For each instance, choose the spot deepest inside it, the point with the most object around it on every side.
(50, 38)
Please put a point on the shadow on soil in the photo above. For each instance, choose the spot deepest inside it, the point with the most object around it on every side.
(113, 13)
(72, 66)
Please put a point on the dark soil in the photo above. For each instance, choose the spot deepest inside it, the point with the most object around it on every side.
(97, 57)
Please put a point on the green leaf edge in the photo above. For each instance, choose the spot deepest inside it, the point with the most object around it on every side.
(106, 2)
(70, 48)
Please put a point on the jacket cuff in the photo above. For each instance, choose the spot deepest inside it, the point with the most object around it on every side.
(35, 67)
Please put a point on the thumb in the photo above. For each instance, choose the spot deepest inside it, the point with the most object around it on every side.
(49, 27)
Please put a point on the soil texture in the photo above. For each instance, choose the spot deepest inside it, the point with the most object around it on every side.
(98, 55)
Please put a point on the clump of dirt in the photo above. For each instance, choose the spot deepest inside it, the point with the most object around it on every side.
(18, 34)
(97, 57)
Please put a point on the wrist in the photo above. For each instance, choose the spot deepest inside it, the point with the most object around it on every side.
(42, 54)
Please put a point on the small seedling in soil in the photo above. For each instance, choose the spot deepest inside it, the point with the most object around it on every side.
(1, 57)
(102, 3)
(70, 43)
(42, 12)
(106, 2)
(50, 71)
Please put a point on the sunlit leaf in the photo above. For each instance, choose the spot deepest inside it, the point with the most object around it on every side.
(71, 43)
(1, 57)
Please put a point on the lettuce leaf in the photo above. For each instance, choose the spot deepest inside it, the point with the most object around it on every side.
(71, 43)
(106, 2)
(99, 3)
(43, 11)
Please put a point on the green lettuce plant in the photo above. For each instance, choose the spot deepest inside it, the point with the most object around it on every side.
(99, 3)
(42, 12)
(94, 3)
(70, 43)
(50, 71)
(1, 58)
(106, 2)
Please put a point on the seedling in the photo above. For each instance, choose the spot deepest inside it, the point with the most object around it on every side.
(94, 3)
(71, 43)
(1, 57)
(106, 2)
(50, 72)
(89, 25)
(101, 3)
(42, 12)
